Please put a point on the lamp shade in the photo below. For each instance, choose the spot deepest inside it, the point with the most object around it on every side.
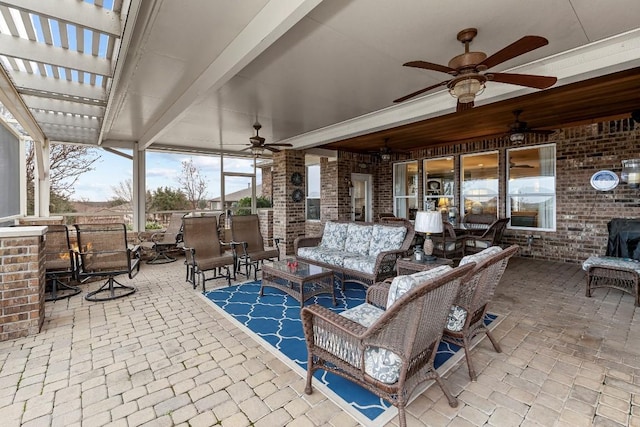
(428, 222)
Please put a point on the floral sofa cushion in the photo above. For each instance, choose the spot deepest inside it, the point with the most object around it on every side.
(480, 256)
(402, 284)
(457, 317)
(358, 238)
(328, 256)
(365, 314)
(365, 264)
(609, 261)
(334, 235)
(386, 238)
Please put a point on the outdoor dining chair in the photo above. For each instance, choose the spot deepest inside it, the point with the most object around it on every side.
(490, 237)
(59, 264)
(103, 251)
(249, 244)
(204, 252)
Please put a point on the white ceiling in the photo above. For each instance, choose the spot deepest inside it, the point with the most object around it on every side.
(195, 75)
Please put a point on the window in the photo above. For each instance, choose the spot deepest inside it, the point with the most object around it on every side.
(479, 178)
(531, 187)
(438, 184)
(405, 189)
(313, 192)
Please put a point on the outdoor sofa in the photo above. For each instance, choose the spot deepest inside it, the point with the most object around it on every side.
(361, 252)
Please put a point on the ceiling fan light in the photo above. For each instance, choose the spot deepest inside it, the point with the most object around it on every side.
(385, 157)
(467, 89)
(516, 137)
(257, 151)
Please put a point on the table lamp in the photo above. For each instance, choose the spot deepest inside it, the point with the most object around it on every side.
(428, 222)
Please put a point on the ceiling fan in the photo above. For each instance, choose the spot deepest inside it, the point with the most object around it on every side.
(384, 153)
(518, 129)
(257, 144)
(468, 69)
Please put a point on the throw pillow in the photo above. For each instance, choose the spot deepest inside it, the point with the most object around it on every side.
(481, 256)
(358, 239)
(334, 235)
(403, 284)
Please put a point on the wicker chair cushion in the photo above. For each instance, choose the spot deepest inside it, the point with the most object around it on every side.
(321, 254)
(457, 317)
(334, 236)
(401, 284)
(480, 256)
(379, 363)
(450, 246)
(386, 238)
(358, 238)
(365, 264)
(609, 261)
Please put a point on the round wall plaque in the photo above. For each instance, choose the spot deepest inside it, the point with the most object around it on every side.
(296, 178)
(297, 195)
(604, 180)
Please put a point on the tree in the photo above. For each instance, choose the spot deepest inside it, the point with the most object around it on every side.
(123, 192)
(192, 183)
(168, 199)
(66, 163)
(245, 202)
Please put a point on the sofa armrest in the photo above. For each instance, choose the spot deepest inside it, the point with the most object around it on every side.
(304, 241)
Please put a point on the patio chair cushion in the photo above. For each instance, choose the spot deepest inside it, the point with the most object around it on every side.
(358, 238)
(379, 363)
(457, 317)
(365, 264)
(480, 256)
(334, 236)
(386, 238)
(609, 261)
(401, 284)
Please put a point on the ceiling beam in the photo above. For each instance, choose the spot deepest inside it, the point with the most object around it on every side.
(10, 98)
(59, 86)
(29, 50)
(63, 106)
(66, 120)
(75, 12)
(275, 19)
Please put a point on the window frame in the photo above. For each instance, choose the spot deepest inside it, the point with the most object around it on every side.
(413, 196)
(508, 194)
(462, 209)
(308, 197)
(426, 180)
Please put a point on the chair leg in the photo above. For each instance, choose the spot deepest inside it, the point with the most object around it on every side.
(308, 389)
(114, 288)
(453, 402)
(60, 290)
(495, 343)
(467, 354)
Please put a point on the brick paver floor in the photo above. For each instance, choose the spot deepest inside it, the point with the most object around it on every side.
(163, 357)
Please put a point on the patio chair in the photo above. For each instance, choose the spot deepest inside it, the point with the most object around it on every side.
(249, 244)
(205, 252)
(448, 244)
(59, 264)
(103, 252)
(477, 223)
(466, 319)
(387, 345)
(490, 237)
(164, 241)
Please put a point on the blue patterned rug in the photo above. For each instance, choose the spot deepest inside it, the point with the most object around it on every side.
(274, 321)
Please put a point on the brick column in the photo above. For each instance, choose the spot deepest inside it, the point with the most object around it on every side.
(22, 281)
(288, 215)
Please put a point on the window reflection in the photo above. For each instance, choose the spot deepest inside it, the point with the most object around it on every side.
(479, 183)
(405, 189)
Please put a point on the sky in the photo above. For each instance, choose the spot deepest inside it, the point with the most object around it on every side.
(162, 170)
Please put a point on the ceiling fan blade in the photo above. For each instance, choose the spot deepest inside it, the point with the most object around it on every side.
(272, 149)
(463, 106)
(278, 144)
(431, 66)
(418, 92)
(517, 48)
(529, 80)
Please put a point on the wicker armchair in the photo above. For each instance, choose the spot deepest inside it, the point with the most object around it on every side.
(204, 252)
(249, 244)
(448, 244)
(103, 252)
(466, 319)
(410, 328)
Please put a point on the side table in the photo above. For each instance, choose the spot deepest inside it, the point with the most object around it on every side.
(410, 265)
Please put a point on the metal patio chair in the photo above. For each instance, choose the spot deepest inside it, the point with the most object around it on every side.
(59, 264)
(165, 241)
(103, 252)
(249, 244)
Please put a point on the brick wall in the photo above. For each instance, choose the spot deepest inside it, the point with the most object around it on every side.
(21, 282)
(267, 184)
(289, 216)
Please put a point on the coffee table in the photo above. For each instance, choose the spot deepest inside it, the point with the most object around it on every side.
(301, 282)
(410, 265)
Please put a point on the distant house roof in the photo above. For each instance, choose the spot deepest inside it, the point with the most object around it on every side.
(237, 195)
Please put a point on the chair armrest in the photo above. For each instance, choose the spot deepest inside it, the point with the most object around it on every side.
(318, 315)
(305, 242)
(377, 294)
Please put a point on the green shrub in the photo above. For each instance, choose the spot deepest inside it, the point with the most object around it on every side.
(152, 225)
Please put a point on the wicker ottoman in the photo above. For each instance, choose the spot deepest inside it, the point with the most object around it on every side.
(612, 272)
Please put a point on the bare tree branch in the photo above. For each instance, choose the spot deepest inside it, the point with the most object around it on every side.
(192, 183)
